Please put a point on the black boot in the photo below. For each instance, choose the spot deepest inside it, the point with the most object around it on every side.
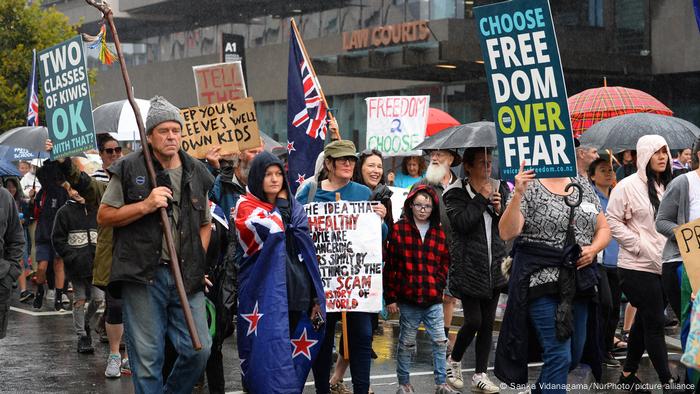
(632, 384)
(85, 345)
(57, 302)
(673, 386)
(39, 298)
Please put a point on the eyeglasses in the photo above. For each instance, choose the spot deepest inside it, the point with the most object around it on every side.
(422, 207)
(346, 160)
(109, 151)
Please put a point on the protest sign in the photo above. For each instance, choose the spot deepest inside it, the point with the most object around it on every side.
(397, 201)
(231, 124)
(64, 80)
(347, 236)
(688, 239)
(219, 82)
(395, 124)
(526, 84)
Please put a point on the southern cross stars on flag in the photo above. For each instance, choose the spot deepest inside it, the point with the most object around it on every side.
(307, 115)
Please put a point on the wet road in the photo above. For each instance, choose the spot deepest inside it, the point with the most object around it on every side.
(39, 355)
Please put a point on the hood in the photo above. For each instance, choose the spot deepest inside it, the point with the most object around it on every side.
(434, 215)
(646, 147)
(260, 163)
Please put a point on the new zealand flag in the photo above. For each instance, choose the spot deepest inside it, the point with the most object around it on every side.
(307, 115)
(33, 96)
(272, 360)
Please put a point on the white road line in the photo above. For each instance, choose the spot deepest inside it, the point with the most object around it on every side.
(33, 313)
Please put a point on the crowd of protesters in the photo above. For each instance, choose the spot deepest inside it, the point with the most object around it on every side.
(566, 251)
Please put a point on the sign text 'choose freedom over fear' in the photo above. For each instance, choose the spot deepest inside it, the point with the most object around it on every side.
(526, 82)
(64, 81)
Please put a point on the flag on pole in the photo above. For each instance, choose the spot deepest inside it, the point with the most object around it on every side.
(33, 96)
(307, 114)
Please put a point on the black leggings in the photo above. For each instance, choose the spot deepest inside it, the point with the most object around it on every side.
(479, 315)
(672, 286)
(645, 292)
(610, 297)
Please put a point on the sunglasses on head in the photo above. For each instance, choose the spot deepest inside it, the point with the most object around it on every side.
(109, 151)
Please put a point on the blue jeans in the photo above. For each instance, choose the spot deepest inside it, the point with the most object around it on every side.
(556, 354)
(360, 346)
(434, 321)
(578, 339)
(150, 313)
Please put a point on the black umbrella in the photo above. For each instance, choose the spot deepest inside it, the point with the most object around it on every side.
(622, 132)
(272, 146)
(470, 135)
(29, 137)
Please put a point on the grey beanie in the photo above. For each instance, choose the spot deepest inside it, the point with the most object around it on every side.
(161, 111)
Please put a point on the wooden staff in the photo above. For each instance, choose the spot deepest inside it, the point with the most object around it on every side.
(344, 314)
(167, 229)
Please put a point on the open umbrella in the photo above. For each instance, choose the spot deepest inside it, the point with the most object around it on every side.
(29, 137)
(117, 118)
(622, 132)
(593, 105)
(438, 120)
(470, 135)
(272, 146)
(12, 153)
(8, 169)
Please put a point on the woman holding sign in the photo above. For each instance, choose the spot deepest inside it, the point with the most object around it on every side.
(340, 160)
(552, 279)
(632, 211)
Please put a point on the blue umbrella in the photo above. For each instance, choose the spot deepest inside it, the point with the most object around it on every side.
(13, 153)
(8, 169)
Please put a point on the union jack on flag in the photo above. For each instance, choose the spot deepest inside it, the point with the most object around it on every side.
(33, 96)
(256, 220)
(307, 115)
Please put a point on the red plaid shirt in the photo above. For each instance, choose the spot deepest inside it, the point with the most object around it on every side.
(415, 270)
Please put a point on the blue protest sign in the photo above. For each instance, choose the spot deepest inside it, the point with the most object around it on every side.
(526, 84)
(64, 80)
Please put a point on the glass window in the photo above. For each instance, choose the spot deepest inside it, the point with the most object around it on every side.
(350, 17)
(330, 22)
(371, 13)
(394, 11)
(442, 9)
(256, 32)
(310, 25)
(417, 9)
(273, 28)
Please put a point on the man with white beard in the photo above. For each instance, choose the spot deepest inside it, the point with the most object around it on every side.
(440, 176)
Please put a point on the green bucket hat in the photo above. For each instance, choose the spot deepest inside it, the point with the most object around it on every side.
(341, 148)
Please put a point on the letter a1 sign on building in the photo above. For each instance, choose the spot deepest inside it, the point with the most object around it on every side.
(395, 124)
(64, 80)
(526, 82)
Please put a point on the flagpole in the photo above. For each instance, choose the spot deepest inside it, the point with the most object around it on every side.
(165, 222)
(313, 72)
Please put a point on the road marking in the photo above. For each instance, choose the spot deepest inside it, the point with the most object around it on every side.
(33, 313)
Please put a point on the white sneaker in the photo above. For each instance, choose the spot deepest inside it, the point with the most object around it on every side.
(454, 374)
(114, 362)
(482, 383)
(51, 294)
(405, 389)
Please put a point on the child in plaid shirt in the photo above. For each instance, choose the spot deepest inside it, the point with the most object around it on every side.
(414, 278)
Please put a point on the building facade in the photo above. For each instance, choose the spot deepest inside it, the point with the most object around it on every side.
(364, 48)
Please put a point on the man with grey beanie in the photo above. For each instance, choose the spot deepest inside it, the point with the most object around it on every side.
(141, 274)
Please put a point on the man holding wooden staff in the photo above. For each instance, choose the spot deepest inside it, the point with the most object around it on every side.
(141, 275)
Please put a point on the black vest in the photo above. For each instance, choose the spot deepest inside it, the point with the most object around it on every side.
(137, 246)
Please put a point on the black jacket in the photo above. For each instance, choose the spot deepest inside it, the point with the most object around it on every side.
(47, 202)
(74, 238)
(137, 246)
(471, 274)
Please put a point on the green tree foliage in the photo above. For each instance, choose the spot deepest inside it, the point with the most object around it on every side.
(22, 28)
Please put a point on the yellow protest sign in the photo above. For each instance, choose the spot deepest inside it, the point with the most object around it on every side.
(231, 124)
(688, 238)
